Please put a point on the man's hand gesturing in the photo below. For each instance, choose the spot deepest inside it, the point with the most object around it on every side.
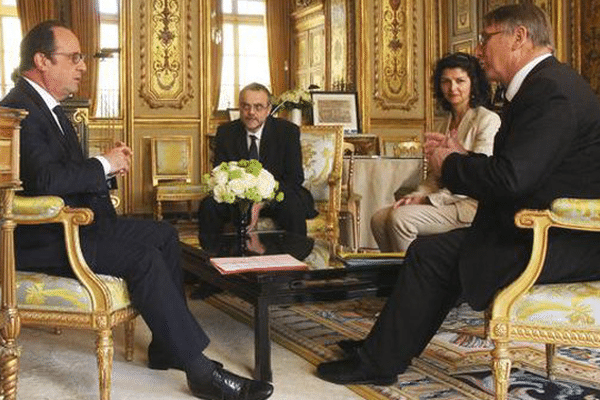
(119, 158)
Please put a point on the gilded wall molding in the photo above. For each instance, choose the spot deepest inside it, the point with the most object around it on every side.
(395, 51)
(590, 43)
(166, 53)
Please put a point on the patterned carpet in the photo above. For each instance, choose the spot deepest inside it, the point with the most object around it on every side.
(455, 365)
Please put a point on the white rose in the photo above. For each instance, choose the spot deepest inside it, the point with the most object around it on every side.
(266, 184)
(237, 187)
(219, 192)
(220, 178)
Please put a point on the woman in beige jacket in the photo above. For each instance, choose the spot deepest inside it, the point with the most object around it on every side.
(462, 89)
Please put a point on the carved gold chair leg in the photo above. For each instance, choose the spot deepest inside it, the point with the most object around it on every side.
(129, 337)
(105, 350)
(501, 364)
(9, 369)
(158, 214)
(550, 366)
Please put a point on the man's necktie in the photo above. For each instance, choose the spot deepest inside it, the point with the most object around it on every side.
(67, 128)
(253, 152)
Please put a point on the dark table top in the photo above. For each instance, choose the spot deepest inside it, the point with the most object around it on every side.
(314, 252)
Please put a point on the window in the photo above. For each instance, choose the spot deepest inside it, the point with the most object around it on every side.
(245, 53)
(108, 71)
(10, 37)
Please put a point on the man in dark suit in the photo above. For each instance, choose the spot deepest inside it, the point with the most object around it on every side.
(276, 144)
(145, 253)
(548, 146)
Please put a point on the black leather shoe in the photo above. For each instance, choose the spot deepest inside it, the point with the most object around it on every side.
(350, 346)
(353, 371)
(229, 386)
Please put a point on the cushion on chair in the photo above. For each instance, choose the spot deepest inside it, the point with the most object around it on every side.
(317, 162)
(565, 304)
(172, 155)
(179, 188)
(46, 292)
(36, 208)
(580, 211)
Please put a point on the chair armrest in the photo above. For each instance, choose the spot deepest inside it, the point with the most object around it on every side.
(36, 209)
(577, 214)
(51, 209)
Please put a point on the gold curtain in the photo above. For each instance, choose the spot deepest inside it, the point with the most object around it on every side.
(32, 12)
(278, 36)
(216, 21)
(85, 23)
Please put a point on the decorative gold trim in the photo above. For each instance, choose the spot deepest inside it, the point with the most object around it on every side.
(396, 69)
(309, 18)
(462, 17)
(166, 53)
(81, 116)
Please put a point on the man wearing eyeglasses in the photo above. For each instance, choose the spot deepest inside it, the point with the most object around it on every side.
(548, 146)
(275, 143)
(143, 252)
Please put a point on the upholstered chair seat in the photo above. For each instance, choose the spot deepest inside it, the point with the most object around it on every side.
(554, 314)
(38, 291)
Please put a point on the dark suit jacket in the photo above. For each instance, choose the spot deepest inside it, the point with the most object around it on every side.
(280, 153)
(547, 147)
(51, 164)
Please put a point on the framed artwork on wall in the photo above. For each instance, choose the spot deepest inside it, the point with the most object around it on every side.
(336, 108)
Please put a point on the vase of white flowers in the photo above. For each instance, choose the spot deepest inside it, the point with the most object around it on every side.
(241, 184)
(296, 102)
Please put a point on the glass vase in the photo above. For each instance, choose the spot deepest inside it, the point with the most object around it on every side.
(242, 221)
(296, 116)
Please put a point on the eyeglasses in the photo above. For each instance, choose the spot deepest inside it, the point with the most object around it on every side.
(257, 107)
(76, 58)
(484, 37)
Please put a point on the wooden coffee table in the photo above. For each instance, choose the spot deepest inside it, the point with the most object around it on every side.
(326, 279)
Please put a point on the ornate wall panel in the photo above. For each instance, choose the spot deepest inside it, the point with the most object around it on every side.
(166, 53)
(462, 26)
(396, 67)
(463, 17)
(590, 42)
(310, 46)
(339, 43)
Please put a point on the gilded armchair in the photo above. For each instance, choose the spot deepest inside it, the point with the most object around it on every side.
(322, 163)
(553, 314)
(171, 159)
(89, 301)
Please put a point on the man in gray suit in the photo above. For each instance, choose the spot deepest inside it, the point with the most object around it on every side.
(548, 146)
